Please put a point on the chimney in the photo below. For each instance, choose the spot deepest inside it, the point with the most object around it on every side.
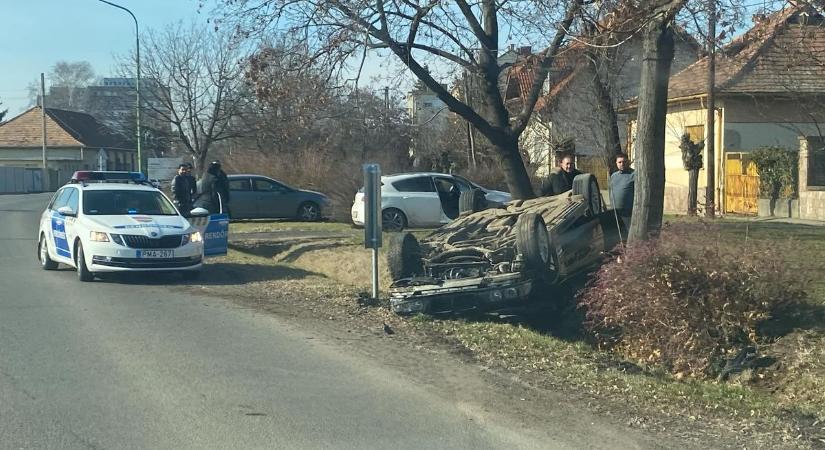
(525, 51)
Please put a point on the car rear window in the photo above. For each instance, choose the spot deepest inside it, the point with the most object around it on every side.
(417, 184)
(117, 202)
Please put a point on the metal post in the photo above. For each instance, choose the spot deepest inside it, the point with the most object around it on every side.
(710, 143)
(137, 80)
(45, 180)
(372, 218)
(375, 273)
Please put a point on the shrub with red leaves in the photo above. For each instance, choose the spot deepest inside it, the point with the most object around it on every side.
(686, 301)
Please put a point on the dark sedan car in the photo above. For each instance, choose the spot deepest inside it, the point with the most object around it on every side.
(260, 197)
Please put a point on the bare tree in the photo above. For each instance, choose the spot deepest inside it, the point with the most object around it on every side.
(68, 81)
(459, 35)
(199, 78)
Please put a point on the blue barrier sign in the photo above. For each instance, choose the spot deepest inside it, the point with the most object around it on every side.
(216, 235)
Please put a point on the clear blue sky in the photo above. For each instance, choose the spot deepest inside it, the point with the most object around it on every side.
(38, 33)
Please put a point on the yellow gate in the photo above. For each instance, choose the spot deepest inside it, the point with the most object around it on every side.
(741, 184)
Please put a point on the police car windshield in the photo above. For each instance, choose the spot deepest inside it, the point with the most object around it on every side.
(115, 202)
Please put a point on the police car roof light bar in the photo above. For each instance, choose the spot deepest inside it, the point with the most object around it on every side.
(84, 176)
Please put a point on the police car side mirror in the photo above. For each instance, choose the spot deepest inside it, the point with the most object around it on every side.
(199, 212)
(67, 211)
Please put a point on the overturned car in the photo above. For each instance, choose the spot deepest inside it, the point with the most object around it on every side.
(501, 257)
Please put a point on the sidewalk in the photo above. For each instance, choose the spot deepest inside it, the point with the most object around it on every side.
(794, 221)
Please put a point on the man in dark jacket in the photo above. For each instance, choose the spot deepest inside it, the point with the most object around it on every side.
(184, 189)
(561, 178)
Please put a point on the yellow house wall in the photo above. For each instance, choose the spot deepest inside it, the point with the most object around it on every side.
(679, 117)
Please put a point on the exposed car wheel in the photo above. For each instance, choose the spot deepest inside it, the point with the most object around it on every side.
(45, 260)
(587, 186)
(83, 273)
(404, 257)
(393, 220)
(471, 201)
(533, 242)
(309, 212)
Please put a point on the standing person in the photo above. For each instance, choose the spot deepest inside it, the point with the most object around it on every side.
(184, 189)
(221, 187)
(561, 177)
(622, 188)
(213, 188)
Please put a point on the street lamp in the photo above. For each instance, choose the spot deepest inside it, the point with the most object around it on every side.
(137, 82)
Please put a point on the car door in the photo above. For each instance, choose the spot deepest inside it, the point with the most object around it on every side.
(244, 201)
(450, 189)
(70, 222)
(419, 201)
(274, 199)
(57, 226)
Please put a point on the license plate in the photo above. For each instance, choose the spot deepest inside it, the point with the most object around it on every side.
(156, 254)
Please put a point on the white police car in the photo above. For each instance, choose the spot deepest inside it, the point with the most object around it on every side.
(114, 222)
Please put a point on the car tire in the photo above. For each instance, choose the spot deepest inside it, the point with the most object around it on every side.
(393, 220)
(309, 212)
(471, 201)
(404, 257)
(83, 273)
(587, 186)
(46, 261)
(533, 242)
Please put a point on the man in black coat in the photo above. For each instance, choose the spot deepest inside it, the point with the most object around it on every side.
(561, 178)
(184, 189)
(214, 189)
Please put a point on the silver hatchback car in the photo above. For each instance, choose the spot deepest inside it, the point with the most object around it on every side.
(422, 199)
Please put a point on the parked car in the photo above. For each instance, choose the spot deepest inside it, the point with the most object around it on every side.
(496, 258)
(260, 197)
(423, 199)
(103, 222)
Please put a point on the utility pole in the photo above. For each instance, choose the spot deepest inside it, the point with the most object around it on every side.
(710, 143)
(45, 178)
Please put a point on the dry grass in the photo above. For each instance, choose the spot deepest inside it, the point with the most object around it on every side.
(771, 405)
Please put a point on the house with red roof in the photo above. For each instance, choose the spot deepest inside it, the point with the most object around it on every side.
(569, 115)
(74, 141)
(770, 87)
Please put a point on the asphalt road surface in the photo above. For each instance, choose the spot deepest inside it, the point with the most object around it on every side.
(110, 365)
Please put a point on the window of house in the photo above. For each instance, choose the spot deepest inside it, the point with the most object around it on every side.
(816, 161)
(696, 133)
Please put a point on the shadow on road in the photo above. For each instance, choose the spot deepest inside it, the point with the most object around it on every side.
(214, 274)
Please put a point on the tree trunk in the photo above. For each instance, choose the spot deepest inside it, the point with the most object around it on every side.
(512, 165)
(609, 119)
(693, 188)
(648, 204)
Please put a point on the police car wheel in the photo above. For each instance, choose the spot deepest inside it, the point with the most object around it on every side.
(45, 261)
(83, 273)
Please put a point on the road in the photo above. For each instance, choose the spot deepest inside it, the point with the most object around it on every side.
(130, 365)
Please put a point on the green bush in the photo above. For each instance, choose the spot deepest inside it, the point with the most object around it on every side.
(684, 303)
(778, 172)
